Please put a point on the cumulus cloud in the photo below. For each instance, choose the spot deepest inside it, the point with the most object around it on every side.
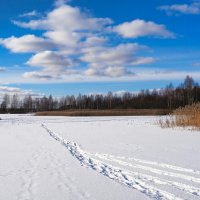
(95, 41)
(74, 20)
(140, 28)
(70, 31)
(74, 43)
(26, 44)
(113, 61)
(64, 38)
(192, 8)
(53, 64)
(123, 54)
(50, 61)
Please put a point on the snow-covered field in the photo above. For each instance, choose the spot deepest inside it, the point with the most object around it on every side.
(96, 158)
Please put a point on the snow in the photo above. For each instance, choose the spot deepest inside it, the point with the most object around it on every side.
(95, 158)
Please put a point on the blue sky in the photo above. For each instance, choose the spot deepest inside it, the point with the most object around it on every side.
(86, 46)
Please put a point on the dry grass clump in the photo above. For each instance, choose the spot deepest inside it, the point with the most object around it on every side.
(188, 116)
(183, 117)
(167, 122)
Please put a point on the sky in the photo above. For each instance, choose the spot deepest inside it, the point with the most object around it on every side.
(62, 47)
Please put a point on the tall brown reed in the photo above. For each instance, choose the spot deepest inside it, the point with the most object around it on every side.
(183, 117)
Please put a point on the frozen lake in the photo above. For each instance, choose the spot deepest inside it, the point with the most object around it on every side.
(96, 158)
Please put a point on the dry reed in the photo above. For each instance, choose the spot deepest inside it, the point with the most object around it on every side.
(114, 112)
(188, 116)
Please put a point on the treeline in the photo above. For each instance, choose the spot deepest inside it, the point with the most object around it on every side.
(168, 98)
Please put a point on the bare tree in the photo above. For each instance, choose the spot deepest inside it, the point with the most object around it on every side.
(5, 103)
(15, 102)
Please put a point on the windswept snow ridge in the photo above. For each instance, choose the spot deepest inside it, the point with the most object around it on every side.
(135, 173)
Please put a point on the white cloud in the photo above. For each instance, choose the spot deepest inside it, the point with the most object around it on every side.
(193, 8)
(123, 54)
(112, 71)
(48, 75)
(197, 64)
(141, 75)
(53, 66)
(168, 75)
(113, 61)
(2, 69)
(74, 20)
(15, 90)
(26, 43)
(33, 13)
(7, 89)
(116, 72)
(50, 61)
(67, 25)
(64, 38)
(40, 75)
(59, 3)
(74, 39)
(140, 28)
(95, 41)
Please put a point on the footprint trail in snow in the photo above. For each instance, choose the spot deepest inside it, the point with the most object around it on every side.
(145, 176)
